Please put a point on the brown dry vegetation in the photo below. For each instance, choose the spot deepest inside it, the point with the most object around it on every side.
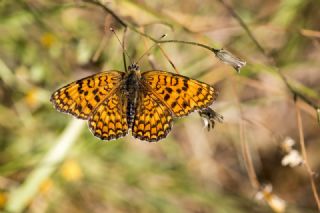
(50, 162)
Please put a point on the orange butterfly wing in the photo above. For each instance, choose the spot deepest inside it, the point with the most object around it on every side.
(81, 97)
(161, 96)
(180, 94)
(109, 120)
(153, 120)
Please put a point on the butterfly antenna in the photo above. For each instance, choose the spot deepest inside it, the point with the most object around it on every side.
(148, 50)
(122, 45)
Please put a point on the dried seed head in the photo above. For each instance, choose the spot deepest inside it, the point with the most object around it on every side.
(210, 117)
(228, 58)
(276, 203)
(292, 159)
(287, 144)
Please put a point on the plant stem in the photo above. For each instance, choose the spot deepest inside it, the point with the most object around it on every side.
(20, 197)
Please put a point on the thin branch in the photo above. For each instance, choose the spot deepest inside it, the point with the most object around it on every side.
(102, 45)
(168, 58)
(243, 24)
(294, 92)
(108, 10)
(247, 156)
(123, 48)
(244, 145)
(221, 54)
(305, 156)
(214, 50)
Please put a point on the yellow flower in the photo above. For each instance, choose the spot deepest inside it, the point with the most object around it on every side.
(46, 186)
(35, 97)
(31, 98)
(3, 199)
(47, 39)
(71, 171)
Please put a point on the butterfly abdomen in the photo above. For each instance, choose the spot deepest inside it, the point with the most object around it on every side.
(132, 88)
(130, 113)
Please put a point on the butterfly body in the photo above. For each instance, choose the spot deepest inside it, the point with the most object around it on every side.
(130, 89)
(115, 102)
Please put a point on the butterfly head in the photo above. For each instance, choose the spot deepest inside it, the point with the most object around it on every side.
(134, 67)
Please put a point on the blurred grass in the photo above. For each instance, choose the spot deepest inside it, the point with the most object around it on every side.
(20, 197)
(45, 45)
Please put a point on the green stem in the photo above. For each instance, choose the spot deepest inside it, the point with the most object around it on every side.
(20, 197)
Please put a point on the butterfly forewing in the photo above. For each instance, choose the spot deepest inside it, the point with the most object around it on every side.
(108, 121)
(153, 120)
(180, 94)
(80, 98)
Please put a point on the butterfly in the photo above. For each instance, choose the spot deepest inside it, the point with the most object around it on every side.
(146, 103)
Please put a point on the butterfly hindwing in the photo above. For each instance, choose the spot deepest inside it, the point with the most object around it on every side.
(81, 97)
(181, 94)
(153, 120)
(108, 121)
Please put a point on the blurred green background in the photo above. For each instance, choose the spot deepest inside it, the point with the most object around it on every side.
(50, 162)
